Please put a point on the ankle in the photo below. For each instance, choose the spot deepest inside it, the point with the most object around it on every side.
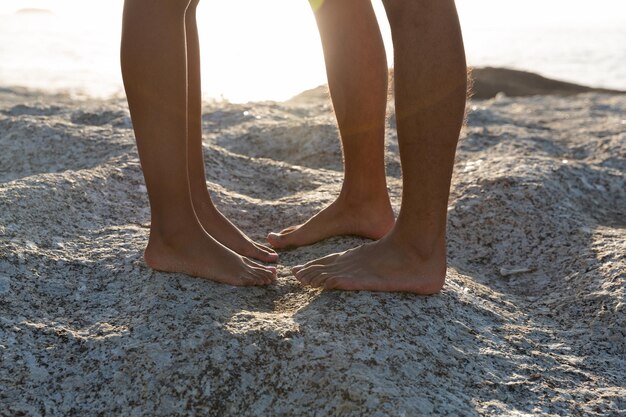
(203, 206)
(370, 196)
(416, 245)
(171, 234)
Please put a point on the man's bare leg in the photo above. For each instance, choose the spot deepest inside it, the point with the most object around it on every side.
(357, 76)
(154, 68)
(430, 77)
(213, 221)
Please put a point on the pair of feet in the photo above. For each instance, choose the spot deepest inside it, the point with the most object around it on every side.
(219, 251)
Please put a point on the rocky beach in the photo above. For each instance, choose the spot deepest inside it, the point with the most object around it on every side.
(531, 321)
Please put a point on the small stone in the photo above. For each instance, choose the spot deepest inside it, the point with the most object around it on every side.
(505, 272)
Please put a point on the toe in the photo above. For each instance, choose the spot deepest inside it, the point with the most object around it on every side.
(326, 260)
(283, 240)
(254, 265)
(275, 239)
(320, 279)
(306, 275)
(246, 280)
(298, 236)
(266, 249)
(332, 283)
(346, 283)
(266, 274)
(261, 253)
(263, 276)
(258, 279)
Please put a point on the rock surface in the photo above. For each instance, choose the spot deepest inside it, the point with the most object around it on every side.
(531, 321)
(488, 82)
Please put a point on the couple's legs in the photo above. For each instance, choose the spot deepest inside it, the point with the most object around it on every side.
(430, 99)
(430, 92)
(164, 101)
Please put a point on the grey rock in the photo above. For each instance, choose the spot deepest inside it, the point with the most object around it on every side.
(87, 329)
(5, 284)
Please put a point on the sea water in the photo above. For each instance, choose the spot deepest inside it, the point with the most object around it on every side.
(270, 50)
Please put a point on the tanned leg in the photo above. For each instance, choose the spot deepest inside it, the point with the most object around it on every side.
(357, 77)
(430, 89)
(209, 216)
(154, 68)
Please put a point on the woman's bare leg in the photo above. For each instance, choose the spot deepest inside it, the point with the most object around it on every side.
(154, 68)
(431, 80)
(209, 216)
(357, 76)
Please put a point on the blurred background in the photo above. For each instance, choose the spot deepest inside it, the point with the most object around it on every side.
(270, 50)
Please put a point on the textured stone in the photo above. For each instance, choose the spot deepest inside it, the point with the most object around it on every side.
(87, 329)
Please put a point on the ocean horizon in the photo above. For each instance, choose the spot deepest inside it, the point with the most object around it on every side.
(74, 47)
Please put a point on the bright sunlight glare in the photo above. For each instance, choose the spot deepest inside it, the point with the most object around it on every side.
(256, 50)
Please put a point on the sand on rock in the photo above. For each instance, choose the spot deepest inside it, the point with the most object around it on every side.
(531, 321)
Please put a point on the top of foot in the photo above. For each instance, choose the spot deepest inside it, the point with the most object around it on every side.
(371, 221)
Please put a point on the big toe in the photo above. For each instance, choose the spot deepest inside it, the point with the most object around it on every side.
(260, 253)
(299, 236)
(258, 267)
(280, 240)
(265, 254)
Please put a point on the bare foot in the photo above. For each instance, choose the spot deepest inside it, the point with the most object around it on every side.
(220, 228)
(370, 219)
(198, 254)
(386, 265)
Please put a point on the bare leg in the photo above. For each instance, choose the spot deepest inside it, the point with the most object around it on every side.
(209, 216)
(154, 67)
(357, 76)
(430, 76)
